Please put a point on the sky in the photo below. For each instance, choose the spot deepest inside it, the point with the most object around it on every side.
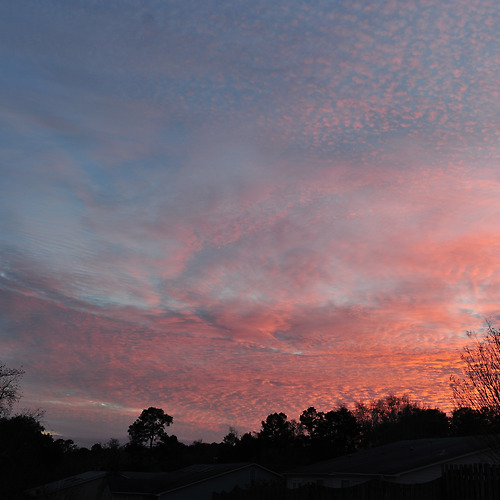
(230, 208)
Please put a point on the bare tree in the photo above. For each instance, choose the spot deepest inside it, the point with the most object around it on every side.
(9, 388)
(479, 388)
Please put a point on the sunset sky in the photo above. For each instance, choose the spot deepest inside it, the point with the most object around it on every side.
(230, 208)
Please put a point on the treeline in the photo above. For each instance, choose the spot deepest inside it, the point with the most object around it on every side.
(29, 456)
(318, 435)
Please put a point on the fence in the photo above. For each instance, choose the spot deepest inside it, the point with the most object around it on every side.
(477, 481)
(458, 482)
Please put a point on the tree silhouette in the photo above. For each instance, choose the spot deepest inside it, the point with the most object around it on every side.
(311, 421)
(28, 455)
(394, 418)
(150, 427)
(329, 434)
(340, 430)
(277, 429)
(9, 388)
(468, 422)
(477, 392)
(479, 388)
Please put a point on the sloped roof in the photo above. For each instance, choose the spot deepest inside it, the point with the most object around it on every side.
(397, 458)
(67, 482)
(161, 482)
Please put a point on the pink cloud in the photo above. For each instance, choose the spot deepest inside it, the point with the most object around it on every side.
(237, 216)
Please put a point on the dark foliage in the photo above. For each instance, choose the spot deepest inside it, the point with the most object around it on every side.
(28, 456)
(280, 444)
(149, 428)
(321, 435)
(395, 418)
(467, 421)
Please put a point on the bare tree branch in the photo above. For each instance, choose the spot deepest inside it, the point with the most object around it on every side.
(9, 388)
